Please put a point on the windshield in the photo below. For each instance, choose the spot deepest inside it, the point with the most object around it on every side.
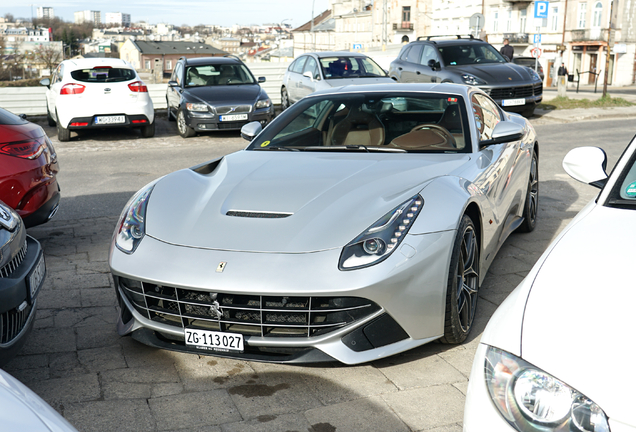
(371, 122)
(218, 75)
(103, 74)
(350, 67)
(456, 55)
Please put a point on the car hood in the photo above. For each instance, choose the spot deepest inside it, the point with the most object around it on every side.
(580, 309)
(341, 82)
(226, 95)
(322, 200)
(496, 73)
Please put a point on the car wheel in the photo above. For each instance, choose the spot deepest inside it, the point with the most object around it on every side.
(284, 99)
(63, 134)
(184, 130)
(463, 284)
(148, 131)
(531, 205)
(49, 118)
(170, 117)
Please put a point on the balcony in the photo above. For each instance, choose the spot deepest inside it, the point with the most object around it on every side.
(517, 38)
(583, 35)
(403, 26)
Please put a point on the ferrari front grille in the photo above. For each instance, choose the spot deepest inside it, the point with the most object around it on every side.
(248, 314)
(10, 267)
(12, 323)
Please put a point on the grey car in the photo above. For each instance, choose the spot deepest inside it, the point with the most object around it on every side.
(466, 60)
(323, 70)
(360, 223)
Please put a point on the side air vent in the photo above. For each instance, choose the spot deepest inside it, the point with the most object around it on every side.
(261, 215)
(207, 167)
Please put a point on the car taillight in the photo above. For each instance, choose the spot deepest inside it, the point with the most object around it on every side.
(72, 88)
(28, 149)
(138, 87)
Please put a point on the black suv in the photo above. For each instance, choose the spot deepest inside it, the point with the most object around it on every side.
(466, 60)
(215, 93)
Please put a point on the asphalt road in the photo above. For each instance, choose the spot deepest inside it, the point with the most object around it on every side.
(75, 360)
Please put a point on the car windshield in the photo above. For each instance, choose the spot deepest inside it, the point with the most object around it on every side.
(217, 75)
(371, 122)
(463, 54)
(103, 74)
(350, 67)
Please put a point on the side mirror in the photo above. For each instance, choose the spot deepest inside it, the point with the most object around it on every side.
(23, 116)
(45, 82)
(250, 130)
(173, 84)
(309, 75)
(505, 131)
(433, 64)
(587, 165)
(261, 79)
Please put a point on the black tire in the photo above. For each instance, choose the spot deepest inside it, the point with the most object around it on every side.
(463, 284)
(63, 134)
(184, 130)
(170, 117)
(49, 118)
(148, 131)
(284, 99)
(531, 205)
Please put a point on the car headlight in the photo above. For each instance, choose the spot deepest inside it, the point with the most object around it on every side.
(199, 107)
(263, 103)
(472, 80)
(132, 222)
(533, 400)
(378, 242)
(534, 74)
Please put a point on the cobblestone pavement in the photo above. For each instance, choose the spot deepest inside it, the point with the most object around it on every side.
(76, 361)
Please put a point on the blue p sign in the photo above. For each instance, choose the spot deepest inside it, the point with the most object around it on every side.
(541, 9)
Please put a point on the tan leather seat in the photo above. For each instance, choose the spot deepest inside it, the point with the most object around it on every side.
(359, 128)
(451, 119)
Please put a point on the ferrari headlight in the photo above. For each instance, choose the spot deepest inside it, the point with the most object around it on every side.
(472, 80)
(199, 107)
(533, 400)
(378, 242)
(263, 103)
(132, 222)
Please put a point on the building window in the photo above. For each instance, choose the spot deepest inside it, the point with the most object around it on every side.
(509, 21)
(168, 64)
(406, 14)
(495, 21)
(523, 20)
(598, 12)
(554, 18)
(147, 64)
(581, 15)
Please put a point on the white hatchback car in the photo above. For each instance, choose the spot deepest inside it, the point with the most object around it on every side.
(556, 354)
(97, 93)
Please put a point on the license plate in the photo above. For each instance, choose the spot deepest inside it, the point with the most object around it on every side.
(37, 277)
(513, 102)
(233, 117)
(110, 119)
(214, 341)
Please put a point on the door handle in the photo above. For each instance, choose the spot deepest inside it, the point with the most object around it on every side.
(418, 72)
(399, 68)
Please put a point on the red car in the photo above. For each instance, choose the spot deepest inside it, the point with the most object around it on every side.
(28, 165)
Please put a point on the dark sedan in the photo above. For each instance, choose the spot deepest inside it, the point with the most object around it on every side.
(215, 93)
(466, 60)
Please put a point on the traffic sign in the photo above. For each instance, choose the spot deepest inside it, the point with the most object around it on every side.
(535, 52)
(541, 9)
(537, 39)
(357, 46)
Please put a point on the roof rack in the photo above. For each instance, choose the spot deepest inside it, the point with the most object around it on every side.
(428, 38)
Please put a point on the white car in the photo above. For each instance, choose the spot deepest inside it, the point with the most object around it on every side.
(22, 410)
(97, 93)
(556, 354)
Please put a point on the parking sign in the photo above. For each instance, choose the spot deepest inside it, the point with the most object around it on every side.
(541, 9)
(537, 39)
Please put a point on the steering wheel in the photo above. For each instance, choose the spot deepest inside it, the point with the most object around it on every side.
(447, 135)
(478, 59)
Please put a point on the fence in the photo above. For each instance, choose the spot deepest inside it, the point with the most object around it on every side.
(32, 100)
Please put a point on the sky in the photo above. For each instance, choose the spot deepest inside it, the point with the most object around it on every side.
(178, 12)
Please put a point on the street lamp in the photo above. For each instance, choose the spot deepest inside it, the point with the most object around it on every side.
(313, 38)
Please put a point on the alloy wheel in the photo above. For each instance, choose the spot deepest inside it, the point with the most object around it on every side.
(533, 192)
(467, 279)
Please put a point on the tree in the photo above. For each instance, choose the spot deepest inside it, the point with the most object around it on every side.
(8, 17)
(48, 55)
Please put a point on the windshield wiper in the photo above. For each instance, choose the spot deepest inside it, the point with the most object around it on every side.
(276, 148)
(354, 148)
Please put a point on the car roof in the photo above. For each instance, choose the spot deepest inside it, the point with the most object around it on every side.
(323, 54)
(452, 40)
(447, 88)
(211, 61)
(92, 62)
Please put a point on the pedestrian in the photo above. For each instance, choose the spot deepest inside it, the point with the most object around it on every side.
(507, 50)
(563, 71)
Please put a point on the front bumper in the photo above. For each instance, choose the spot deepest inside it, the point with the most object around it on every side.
(205, 121)
(18, 300)
(405, 295)
(510, 97)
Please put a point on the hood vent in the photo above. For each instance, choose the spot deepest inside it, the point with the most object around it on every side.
(254, 214)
